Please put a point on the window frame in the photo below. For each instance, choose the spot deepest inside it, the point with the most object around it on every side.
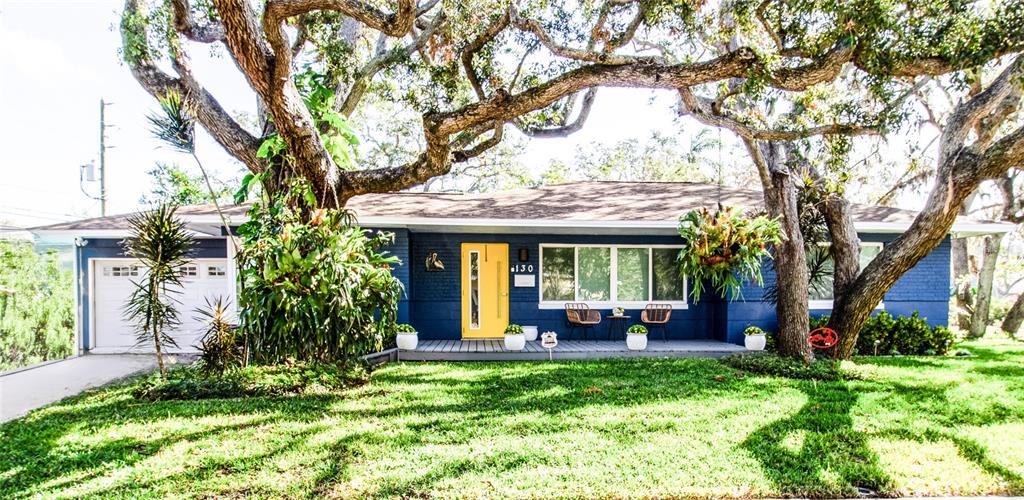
(613, 292)
(818, 304)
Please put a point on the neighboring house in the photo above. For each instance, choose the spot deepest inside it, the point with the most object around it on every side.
(474, 262)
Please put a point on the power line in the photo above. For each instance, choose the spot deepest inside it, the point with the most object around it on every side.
(33, 211)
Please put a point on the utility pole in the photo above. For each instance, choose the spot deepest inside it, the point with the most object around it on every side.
(103, 164)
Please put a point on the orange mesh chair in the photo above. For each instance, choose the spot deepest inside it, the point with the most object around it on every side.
(657, 316)
(580, 315)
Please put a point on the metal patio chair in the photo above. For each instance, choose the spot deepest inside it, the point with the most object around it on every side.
(580, 315)
(657, 316)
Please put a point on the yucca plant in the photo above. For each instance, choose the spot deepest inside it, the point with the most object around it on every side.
(221, 347)
(162, 244)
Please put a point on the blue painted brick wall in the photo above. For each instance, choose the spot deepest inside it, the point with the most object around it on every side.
(436, 305)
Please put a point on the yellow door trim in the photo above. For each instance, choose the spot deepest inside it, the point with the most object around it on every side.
(485, 285)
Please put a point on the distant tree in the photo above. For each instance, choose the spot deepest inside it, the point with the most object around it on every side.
(174, 185)
(658, 158)
(37, 319)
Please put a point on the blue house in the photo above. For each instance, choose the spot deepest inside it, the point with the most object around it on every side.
(474, 262)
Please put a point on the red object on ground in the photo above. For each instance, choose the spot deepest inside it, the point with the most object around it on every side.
(823, 338)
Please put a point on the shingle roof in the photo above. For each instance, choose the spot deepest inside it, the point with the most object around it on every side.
(577, 201)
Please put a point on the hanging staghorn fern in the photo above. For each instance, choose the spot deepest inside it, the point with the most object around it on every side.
(725, 249)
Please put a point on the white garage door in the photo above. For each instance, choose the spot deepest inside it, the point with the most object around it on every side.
(112, 284)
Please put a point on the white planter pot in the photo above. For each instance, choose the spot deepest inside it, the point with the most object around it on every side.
(636, 341)
(407, 341)
(755, 342)
(515, 342)
(530, 332)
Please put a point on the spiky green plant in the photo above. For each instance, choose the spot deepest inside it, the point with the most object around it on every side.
(176, 126)
(162, 244)
(173, 124)
(221, 347)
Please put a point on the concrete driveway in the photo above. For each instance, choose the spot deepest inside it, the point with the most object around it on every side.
(25, 390)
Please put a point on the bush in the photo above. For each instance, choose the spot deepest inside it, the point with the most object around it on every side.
(37, 318)
(405, 328)
(191, 382)
(315, 286)
(513, 329)
(907, 335)
(771, 364)
(222, 345)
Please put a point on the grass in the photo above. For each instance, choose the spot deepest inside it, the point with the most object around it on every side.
(906, 426)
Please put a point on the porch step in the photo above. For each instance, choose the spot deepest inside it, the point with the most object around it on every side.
(494, 350)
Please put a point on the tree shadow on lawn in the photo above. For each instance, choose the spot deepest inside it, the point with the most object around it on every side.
(37, 450)
(34, 450)
(815, 451)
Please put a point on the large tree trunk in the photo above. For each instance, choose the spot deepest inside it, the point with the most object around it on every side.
(983, 301)
(791, 310)
(845, 243)
(964, 300)
(1014, 317)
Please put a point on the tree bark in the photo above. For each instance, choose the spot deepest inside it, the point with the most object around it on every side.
(983, 301)
(791, 307)
(961, 270)
(961, 168)
(1015, 317)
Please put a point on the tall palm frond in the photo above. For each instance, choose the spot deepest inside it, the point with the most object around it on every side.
(173, 124)
(162, 244)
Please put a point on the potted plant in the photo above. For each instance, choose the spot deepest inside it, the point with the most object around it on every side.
(406, 337)
(515, 340)
(754, 338)
(636, 338)
(531, 333)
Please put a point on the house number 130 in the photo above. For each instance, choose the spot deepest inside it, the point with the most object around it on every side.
(522, 268)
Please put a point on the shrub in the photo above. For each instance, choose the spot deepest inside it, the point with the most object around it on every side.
(771, 364)
(404, 328)
(253, 381)
(905, 335)
(221, 348)
(513, 329)
(637, 330)
(315, 286)
(37, 319)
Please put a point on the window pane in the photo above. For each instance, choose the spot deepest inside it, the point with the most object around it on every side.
(819, 263)
(595, 279)
(868, 253)
(634, 277)
(474, 290)
(668, 285)
(558, 279)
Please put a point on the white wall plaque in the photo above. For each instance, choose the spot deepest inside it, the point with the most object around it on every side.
(525, 280)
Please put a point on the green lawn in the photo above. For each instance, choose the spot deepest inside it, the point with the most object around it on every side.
(912, 426)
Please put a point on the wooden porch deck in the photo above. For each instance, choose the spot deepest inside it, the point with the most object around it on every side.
(494, 350)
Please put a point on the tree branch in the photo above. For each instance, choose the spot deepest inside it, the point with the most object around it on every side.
(185, 23)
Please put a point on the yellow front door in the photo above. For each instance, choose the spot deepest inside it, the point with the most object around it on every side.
(484, 290)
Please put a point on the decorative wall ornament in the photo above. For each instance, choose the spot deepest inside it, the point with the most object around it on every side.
(434, 262)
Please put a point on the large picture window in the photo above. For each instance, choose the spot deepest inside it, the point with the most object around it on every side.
(820, 292)
(610, 275)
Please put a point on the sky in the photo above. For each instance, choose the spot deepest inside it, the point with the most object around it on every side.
(54, 73)
(61, 57)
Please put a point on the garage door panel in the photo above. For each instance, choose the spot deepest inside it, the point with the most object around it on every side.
(201, 280)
